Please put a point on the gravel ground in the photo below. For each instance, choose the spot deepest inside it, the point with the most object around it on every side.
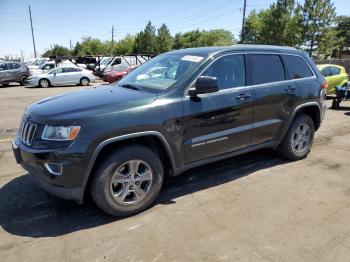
(255, 207)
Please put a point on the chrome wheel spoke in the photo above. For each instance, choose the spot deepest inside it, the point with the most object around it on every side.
(123, 193)
(139, 193)
(120, 178)
(133, 168)
(131, 182)
(146, 176)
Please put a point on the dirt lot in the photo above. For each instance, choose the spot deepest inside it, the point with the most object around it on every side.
(256, 207)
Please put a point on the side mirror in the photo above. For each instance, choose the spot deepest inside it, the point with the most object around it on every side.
(204, 85)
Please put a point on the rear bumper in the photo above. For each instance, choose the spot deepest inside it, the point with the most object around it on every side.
(31, 162)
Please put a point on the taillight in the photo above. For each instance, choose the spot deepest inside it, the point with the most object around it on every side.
(324, 85)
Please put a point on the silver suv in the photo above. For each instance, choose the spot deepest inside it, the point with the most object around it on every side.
(13, 72)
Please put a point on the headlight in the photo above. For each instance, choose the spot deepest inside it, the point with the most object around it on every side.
(60, 133)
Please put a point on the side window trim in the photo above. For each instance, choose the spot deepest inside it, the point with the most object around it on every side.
(248, 70)
(213, 61)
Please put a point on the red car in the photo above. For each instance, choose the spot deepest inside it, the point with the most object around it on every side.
(117, 72)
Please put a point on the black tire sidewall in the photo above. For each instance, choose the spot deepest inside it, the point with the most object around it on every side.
(101, 182)
(23, 80)
(42, 80)
(81, 81)
(285, 148)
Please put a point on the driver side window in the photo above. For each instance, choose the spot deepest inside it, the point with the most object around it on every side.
(230, 71)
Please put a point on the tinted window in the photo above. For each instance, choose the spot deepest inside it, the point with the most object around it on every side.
(230, 71)
(326, 71)
(266, 69)
(334, 70)
(3, 66)
(13, 66)
(297, 67)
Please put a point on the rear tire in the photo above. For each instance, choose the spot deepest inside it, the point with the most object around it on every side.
(23, 80)
(127, 181)
(298, 141)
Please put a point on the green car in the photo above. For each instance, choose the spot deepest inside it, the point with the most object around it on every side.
(335, 75)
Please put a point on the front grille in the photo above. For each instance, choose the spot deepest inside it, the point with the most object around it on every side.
(27, 131)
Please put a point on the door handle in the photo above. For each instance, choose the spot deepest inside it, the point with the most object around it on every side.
(290, 88)
(242, 97)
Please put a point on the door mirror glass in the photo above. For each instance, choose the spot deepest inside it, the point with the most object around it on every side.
(204, 85)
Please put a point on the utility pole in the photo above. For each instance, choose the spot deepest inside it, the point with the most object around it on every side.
(112, 34)
(242, 31)
(31, 25)
(70, 45)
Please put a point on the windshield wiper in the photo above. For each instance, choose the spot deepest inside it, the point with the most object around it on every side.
(131, 86)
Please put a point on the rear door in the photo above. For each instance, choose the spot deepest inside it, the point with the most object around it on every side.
(275, 96)
(220, 122)
(4, 73)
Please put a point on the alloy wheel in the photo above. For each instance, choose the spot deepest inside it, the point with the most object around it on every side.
(131, 182)
(301, 138)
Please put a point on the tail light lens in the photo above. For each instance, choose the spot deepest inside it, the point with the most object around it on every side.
(324, 85)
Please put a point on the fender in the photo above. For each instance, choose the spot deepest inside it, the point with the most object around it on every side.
(121, 138)
(296, 110)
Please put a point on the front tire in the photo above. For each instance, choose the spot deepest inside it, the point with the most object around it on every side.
(44, 83)
(127, 181)
(298, 141)
(84, 81)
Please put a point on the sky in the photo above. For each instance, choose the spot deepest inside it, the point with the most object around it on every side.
(59, 22)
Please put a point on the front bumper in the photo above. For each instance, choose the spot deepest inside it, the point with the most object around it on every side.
(32, 82)
(66, 186)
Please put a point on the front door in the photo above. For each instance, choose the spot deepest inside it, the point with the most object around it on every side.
(220, 122)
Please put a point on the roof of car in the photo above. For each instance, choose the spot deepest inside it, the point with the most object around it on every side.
(325, 65)
(205, 51)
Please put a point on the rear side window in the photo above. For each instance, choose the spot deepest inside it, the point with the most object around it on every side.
(230, 71)
(297, 67)
(3, 66)
(266, 69)
(334, 70)
(326, 71)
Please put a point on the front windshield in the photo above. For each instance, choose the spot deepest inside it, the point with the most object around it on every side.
(105, 60)
(120, 67)
(161, 72)
(39, 62)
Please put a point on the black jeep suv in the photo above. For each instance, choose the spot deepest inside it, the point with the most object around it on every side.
(179, 110)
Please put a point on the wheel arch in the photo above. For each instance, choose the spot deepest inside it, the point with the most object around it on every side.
(152, 139)
(313, 110)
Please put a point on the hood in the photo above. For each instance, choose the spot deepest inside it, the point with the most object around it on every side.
(37, 73)
(87, 103)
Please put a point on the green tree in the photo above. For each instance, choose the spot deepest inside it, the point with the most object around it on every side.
(252, 27)
(343, 33)
(125, 46)
(318, 16)
(146, 40)
(164, 39)
(329, 44)
(56, 51)
(196, 38)
(77, 49)
(92, 46)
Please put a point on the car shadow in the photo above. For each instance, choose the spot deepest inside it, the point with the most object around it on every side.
(26, 210)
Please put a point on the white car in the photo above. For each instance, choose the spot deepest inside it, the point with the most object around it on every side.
(47, 66)
(62, 76)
